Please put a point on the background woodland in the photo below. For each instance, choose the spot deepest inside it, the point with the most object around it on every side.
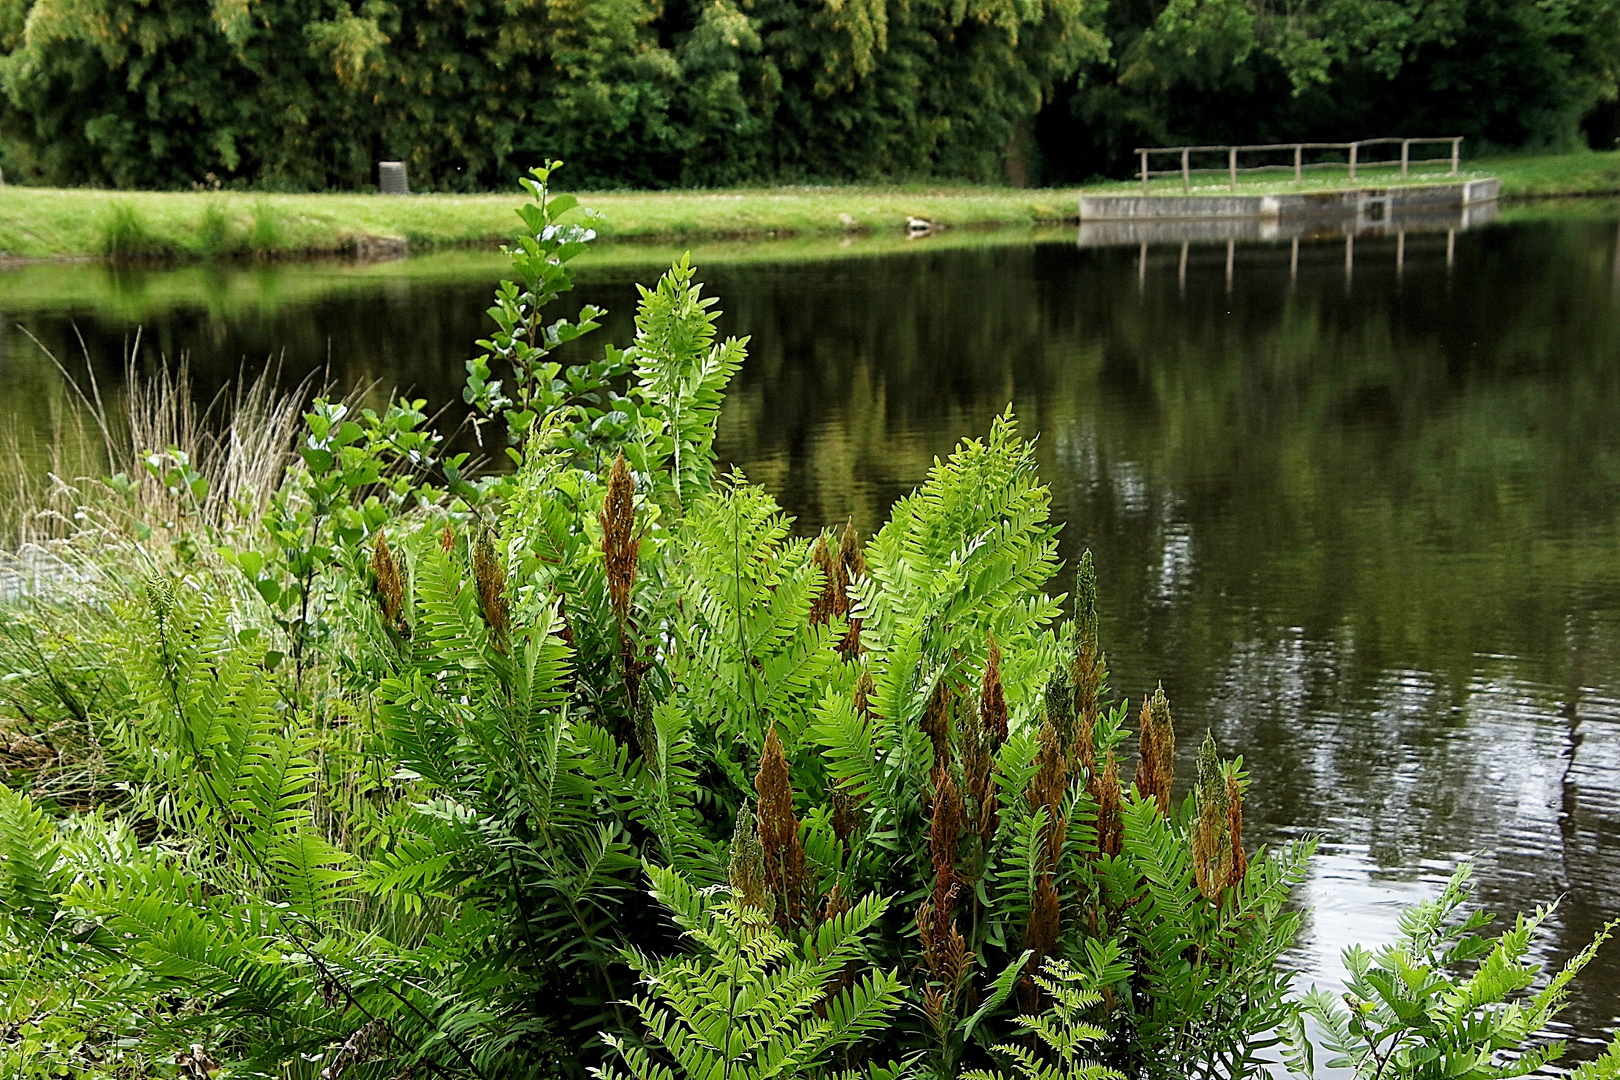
(302, 95)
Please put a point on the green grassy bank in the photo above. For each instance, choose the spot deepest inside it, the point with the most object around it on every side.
(55, 223)
(47, 223)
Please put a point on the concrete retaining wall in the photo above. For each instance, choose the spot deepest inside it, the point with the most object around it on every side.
(1349, 202)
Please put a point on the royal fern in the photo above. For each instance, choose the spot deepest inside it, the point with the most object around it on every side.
(747, 1003)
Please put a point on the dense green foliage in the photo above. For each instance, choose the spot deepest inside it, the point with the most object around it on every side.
(397, 748)
(1503, 74)
(289, 93)
(296, 95)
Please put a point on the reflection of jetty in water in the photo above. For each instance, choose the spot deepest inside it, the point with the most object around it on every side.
(1186, 233)
(1374, 219)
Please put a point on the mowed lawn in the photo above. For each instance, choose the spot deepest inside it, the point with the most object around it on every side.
(69, 223)
(49, 222)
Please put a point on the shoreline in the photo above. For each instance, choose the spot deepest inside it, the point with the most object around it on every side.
(53, 225)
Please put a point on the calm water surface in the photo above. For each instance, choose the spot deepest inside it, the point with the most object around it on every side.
(1366, 525)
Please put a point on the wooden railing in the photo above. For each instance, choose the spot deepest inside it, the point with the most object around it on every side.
(1299, 163)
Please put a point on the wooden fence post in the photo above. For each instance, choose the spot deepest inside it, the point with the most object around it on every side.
(1299, 162)
(1186, 172)
(1353, 148)
(1144, 171)
(1406, 148)
(1231, 166)
(1456, 146)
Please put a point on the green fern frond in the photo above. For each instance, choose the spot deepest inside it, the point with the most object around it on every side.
(30, 863)
(682, 376)
(969, 552)
(749, 1002)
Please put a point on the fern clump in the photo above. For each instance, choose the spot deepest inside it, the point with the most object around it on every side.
(748, 1003)
(1060, 1032)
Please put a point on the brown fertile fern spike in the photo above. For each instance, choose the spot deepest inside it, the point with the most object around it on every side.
(944, 831)
(1040, 937)
(489, 574)
(1088, 668)
(1156, 752)
(1212, 837)
(620, 545)
(620, 550)
(746, 869)
(846, 815)
(864, 689)
(1105, 793)
(945, 954)
(992, 701)
(1046, 790)
(1060, 710)
(825, 605)
(948, 962)
(978, 762)
(390, 584)
(1164, 739)
(447, 540)
(1146, 758)
(646, 732)
(851, 564)
(936, 724)
(779, 833)
(1234, 825)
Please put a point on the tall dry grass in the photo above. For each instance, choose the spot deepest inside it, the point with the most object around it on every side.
(71, 543)
(241, 442)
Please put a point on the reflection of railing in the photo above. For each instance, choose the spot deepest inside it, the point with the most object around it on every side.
(1299, 163)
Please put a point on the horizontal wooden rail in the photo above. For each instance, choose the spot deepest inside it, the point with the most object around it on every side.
(1298, 149)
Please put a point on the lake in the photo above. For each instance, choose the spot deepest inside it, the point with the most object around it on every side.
(1361, 520)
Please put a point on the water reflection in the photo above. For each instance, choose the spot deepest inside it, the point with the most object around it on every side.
(1361, 521)
(1370, 220)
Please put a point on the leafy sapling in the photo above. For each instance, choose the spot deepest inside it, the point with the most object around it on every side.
(541, 388)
